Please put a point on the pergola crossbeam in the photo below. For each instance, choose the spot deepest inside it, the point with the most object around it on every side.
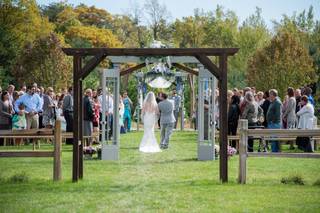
(132, 69)
(92, 63)
(185, 68)
(209, 65)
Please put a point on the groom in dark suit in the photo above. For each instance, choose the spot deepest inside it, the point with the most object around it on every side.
(167, 120)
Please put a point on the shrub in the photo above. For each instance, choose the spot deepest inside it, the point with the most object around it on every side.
(294, 179)
(19, 178)
(317, 183)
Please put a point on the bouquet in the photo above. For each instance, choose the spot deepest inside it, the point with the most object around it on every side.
(89, 150)
(231, 151)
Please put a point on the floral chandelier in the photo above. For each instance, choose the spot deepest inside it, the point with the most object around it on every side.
(159, 75)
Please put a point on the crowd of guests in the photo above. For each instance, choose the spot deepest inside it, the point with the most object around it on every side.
(33, 107)
(266, 110)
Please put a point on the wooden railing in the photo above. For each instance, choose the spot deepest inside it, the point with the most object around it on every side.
(54, 134)
(270, 134)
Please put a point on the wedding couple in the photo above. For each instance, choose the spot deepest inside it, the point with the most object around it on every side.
(150, 114)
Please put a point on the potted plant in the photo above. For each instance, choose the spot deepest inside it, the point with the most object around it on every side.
(88, 151)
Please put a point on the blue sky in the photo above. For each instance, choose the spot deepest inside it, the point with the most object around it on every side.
(271, 9)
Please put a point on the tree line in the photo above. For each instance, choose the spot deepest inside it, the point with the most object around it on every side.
(31, 38)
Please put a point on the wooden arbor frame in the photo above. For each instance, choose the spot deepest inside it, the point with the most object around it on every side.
(99, 54)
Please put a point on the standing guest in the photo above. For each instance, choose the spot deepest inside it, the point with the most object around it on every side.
(306, 114)
(10, 93)
(274, 116)
(88, 115)
(67, 108)
(297, 95)
(158, 100)
(253, 90)
(236, 92)
(49, 109)
(109, 111)
(260, 98)
(229, 96)
(241, 95)
(283, 109)
(40, 92)
(251, 112)
(5, 114)
(121, 114)
(127, 111)
(289, 112)
(96, 110)
(32, 102)
(265, 107)
(23, 89)
(308, 93)
(233, 117)
(19, 122)
(244, 102)
(177, 104)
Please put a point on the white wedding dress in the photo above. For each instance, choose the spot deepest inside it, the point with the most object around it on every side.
(149, 142)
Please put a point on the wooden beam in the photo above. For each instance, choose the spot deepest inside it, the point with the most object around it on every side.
(150, 51)
(132, 69)
(26, 154)
(284, 132)
(223, 117)
(284, 155)
(185, 68)
(91, 64)
(76, 116)
(81, 139)
(57, 151)
(29, 132)
(243, 151)
(207, 63)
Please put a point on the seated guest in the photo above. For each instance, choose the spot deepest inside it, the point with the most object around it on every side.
(306, 119)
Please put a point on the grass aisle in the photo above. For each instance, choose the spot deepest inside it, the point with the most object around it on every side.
(170, 181)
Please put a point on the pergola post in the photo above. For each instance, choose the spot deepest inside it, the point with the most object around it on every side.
(223, 116)
(81, 144)
(77, 124)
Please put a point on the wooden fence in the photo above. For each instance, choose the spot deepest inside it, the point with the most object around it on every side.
(54, 134)
(270, 134)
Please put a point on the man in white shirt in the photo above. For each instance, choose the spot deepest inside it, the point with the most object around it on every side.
(109, 110)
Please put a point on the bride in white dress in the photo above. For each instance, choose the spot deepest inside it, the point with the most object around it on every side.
(150, 113)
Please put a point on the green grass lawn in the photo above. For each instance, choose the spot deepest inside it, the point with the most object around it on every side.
(170, 181)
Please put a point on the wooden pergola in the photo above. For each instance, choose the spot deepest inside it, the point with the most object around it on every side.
(80, 71)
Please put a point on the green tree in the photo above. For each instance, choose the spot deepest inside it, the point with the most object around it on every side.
(221, 29)
(45, 63)
(20, 24)
(92, 16)
(53, 9)
(284, 62)
(157, 16)
(96, 36)
(190, 32)
(253, 35)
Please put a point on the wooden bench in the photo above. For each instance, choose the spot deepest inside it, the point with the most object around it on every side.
(280, 134)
